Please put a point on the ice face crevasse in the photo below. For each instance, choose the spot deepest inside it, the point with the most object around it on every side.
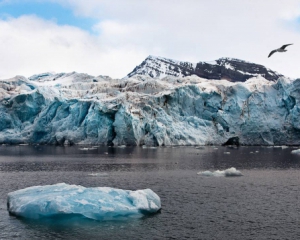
(75, 108)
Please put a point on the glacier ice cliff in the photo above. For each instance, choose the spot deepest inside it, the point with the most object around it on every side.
(99, 203)
(75, 108)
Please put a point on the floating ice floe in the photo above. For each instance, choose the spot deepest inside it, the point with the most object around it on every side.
(98, 174)
(99, 203)
(86, 149)
(282, 147)
(230, 172)
(200, 147)
(150, 147)
(296, 151)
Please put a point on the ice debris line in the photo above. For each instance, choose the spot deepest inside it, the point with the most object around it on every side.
(99, 203)
(230, 172)
(75, 108)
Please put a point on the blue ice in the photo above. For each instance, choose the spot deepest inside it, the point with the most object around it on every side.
(99, 203)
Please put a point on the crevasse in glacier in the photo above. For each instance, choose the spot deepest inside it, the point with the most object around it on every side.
(74, 108)
(99, 203)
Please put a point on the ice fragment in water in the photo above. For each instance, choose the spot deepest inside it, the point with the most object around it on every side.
(296, 151)
(230, 172)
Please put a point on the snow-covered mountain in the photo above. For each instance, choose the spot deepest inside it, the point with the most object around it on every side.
(231, 69)
(75, 108)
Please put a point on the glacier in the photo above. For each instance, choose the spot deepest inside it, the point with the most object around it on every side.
(98, 203)
(76, 108)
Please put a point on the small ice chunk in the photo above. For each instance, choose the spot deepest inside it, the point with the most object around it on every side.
(84, 149)
(226, 152)
(150, 147)
(99, 203)
(200, 147)
(230, 172)
(217, 173)
(98, 174)
(296, 151)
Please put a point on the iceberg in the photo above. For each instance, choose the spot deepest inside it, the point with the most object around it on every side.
(98, 203)
(230, 172)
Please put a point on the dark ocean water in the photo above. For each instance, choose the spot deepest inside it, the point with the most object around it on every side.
(262, 204)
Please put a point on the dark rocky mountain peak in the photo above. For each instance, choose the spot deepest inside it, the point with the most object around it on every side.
(231, 69)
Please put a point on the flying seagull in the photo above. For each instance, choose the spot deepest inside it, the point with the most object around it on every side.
(282, 49)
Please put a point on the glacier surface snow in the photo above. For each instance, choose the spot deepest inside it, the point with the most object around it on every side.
(74, 108)
(99, 203)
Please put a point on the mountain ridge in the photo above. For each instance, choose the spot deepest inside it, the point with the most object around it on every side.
(231, 69)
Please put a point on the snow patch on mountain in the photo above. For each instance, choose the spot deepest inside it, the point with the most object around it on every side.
(224, 68)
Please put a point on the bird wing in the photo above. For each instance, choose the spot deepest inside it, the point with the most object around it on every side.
(272, 53)
(284, 46)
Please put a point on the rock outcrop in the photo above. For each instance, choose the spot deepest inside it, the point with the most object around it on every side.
(233, 70)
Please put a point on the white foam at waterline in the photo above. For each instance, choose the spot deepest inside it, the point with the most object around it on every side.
(230, 172)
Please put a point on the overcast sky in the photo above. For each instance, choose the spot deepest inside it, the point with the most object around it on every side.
(111, 37)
